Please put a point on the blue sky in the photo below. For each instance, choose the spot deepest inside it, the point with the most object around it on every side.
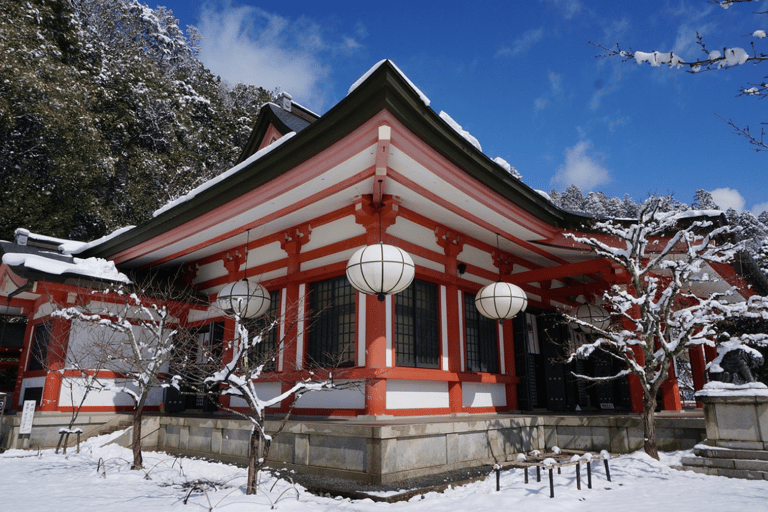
(524, 80)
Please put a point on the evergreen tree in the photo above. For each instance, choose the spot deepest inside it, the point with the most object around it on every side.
(595, 204)
(702, 200)
(555, 198)
(572, 199)
(106, 113)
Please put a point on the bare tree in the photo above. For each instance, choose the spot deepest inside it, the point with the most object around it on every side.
(79, 376)
(238, 372)
(135, 325)
(662, 310)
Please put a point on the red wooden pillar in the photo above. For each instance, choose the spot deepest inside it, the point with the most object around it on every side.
(698, 369)
(670, 392)
(504, 262)
(509, 362)
(452, 245)
(375, 218)
(710, 353)
(58, 342)
(375, 354)
(227, 352)
(292, 354)
(635, 386)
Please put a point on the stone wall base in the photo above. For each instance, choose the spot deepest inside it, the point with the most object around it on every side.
(385, 449)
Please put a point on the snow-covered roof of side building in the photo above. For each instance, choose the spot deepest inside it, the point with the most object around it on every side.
(35, 257)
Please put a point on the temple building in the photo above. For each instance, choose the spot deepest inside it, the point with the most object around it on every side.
(307, 193)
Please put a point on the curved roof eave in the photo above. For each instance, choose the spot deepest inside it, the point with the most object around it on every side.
(386, 88)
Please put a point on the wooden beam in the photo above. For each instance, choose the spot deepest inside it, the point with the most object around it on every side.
(598, 265)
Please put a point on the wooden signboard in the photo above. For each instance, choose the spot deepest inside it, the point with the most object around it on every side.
(27, 415)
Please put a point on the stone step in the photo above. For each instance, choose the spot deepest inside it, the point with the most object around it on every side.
(729, 453)
(743, 464)
(728, 472)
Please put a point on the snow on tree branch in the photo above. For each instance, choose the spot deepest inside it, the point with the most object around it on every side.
(661, 308)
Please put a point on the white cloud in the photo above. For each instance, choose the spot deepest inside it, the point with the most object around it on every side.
(582, 168)
(555, 91)
(522, 44)
(568, 8)
(556, 83)
(251, 45)
(759, 208)
(728, 198)
(692, 16)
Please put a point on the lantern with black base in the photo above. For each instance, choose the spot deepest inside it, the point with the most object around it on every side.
(595, 316)
(500, 301)
(380, 269)
(244, 299)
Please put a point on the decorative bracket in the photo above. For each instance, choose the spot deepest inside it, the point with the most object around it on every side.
(451, 242)
(503, 261)
(295, 238)
(376, 219)
(233, 260)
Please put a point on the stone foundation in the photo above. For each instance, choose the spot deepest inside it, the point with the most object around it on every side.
(384, 449)
(737, 432)
(391, 450)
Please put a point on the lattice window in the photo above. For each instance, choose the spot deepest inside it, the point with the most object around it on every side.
(481, 338)
(331, 338)
(265, 352)
(417, 326)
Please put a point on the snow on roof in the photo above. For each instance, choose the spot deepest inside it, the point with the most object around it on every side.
(226, 174)
(688, 214)
(96, 268)
(72, 247)
(376, 66)
(510, 169)
(461, 131)
(42, 238)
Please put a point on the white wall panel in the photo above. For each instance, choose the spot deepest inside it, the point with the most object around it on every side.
(417, 394)
(349, 398)
(479, 394)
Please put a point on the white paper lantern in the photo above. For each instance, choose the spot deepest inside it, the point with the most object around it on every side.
(380, 269)
(499, 301)
(243, 299)
(594, 315)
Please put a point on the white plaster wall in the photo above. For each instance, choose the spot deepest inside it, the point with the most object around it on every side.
(85, 339)
(210, 271)
(351, 397)
(417, 394)
(479, 394)
(44, 310)
(201, 315)
(73, 390)
(336, 231)
(264, 390)
(328, 260)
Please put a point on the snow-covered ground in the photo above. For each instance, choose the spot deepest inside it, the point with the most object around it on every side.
(99, 479)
